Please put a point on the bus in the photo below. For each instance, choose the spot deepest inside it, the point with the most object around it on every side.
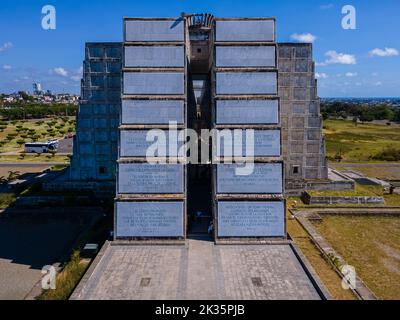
(41, 147)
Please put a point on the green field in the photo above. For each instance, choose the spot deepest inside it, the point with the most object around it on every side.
(370, 244)
(12, 132)
(359, 143)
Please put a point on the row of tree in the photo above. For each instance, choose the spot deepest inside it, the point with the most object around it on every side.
(37, 111)
(364, 113)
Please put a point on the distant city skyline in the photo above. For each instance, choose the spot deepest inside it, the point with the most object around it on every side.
(349, 63)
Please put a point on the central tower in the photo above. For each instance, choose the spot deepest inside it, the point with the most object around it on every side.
(200, 72)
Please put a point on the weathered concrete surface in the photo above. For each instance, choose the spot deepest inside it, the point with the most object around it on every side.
(200, 270)
(31, 239)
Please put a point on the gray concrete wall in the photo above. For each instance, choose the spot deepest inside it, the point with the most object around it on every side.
(245, 30)
(265, 179)
(245, 56)
(267, 143)
(154, 83)
(246, 83)
(143, 111)
(152, 30)
(141, 178)
(154, 56)
(303, 143)
(247, 112)
(150, 219)
(134, 143)
(95, 143)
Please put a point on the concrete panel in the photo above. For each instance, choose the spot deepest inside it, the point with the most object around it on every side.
(245, 30)
(247, 112)
(267, 143)
(149, 219)
(154, 56)
(153, 30)
(154, 83)
(246, 82)
(266, 178)
(143, 111)
(245, 56)
(251, 219)
(146, 178)
(133, 143)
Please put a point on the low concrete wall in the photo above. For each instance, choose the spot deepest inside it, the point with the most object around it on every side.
(297, 188)
(313, 200)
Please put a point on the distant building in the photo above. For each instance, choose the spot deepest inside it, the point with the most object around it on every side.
(37, 88)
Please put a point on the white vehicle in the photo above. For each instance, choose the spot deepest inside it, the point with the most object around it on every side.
(41, 147)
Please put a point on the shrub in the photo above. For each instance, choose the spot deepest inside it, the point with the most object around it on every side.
(388, 154)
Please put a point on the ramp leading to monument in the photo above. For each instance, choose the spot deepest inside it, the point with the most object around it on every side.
(199, 270)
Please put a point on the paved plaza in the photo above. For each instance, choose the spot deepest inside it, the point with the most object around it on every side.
(196, 271)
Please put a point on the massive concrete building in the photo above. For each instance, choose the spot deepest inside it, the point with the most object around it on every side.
(202, 73)
(95, 145)
(302, 139)
(96, 141)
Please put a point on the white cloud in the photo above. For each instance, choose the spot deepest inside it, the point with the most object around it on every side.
(326, 6)
(321, 75)
(76, 78)
(351, 74)
(378, 83)
(61, 72)
(304, 37)
(6, 46)
(77, 74)
(387, 52)
(338, 58)
(7, 67)
(374, 74)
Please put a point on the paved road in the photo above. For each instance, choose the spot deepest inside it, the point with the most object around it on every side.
(29, 164)
(65, 147)
(29, 241)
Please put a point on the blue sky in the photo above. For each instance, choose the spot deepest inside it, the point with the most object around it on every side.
(350, 63)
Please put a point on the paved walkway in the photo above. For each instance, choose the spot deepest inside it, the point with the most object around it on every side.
(200, 270)
(31, 239)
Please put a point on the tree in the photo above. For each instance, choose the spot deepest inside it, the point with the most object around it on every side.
(366, 116)
(20, 142)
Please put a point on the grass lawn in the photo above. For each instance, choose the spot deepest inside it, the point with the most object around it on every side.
(358, 143)
(368, 191)
(371, 245)
(28, 130)
(324, 270)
